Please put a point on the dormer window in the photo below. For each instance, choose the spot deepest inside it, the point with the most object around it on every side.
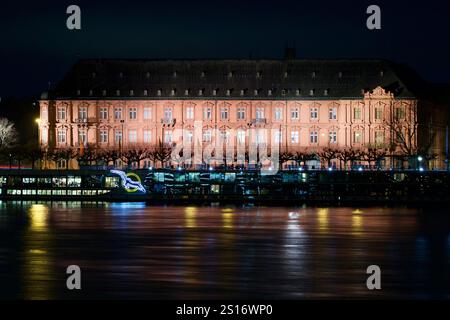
(131, 93)
(145, 92)
(269, 92)
(242, 92)
(325, 92)
(172, 92)
(313, 75)
(258, 75)
(104, 92)
(228, 92)
(381, 73)
(147, 75)
(202, 74)
(311, 92)
(200, 92)
(230, 74)
(158, 93)
(117, 92)
(214, 92)
(186, 92)
(297, 92)
(256, 92)
(78, 92)
(283, 92)
(174, 74)
(285, 74)
(90, 92)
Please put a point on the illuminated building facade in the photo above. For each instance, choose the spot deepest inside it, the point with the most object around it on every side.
(298, 104)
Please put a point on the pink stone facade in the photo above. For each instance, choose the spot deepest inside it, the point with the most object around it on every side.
(303, 124)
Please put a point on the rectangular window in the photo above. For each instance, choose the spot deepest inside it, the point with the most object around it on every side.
(378, 113)
(82, 137)
(399, 113)
(357, 137)
(333, 113)
(294, 137)
(168, 114)
(118, 137)
(260, 136)
(294, 114)
(259, 113)
(188, 136)
(147, 136)
(132, 136)
(357, 113)
(103, 136)
(82, 113)
(313, 137)
(190, 113)
(117, 113)
(333, 137)
(207, 113)
(278, 113)
(379, 137)
(314, 113)
(168, 136)
(103, 113)
(133, 113)
(61, 113)
(224, 113)
(277, 137)
(61, 136)
(44, 114)
(44, 136)
(207, 136)
(241, 137)
(241, 113)
(147, 113)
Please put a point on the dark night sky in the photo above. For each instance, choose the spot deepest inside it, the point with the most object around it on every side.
(36, 47)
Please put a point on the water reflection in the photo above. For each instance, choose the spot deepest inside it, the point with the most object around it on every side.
(207, 252)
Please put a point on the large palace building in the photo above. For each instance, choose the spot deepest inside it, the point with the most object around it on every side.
(298, 104)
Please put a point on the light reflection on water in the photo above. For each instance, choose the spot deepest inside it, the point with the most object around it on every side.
(205, 252)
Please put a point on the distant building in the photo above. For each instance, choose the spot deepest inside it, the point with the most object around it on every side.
(303, 104)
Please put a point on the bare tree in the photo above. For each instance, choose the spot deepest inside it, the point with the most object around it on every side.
(374, 154)
(63, 154)
(135, 155)
(8, 134)
(161, 152)
(327, 154)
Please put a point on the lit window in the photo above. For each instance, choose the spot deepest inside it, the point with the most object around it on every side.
(168, 114)
(379, 137)
(82, 137)
(61, 136)
(278, 113)
(241, 137)
(378, 113)
(132, 136)
(399, 113)
(103, 136)
(207, 113)
(260, 113)
(147, 136)
(82, 113)
(313, 137)
(333, 137)
(147, 113)
(277, 137)
(357, 137)
(207, 136)
(241, 113)
(117, 113)
(190, 113)
(118, 137)
(294, 137)
(61, 113)
(168, 136)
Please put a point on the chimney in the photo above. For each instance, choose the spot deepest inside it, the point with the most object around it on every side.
(289, 53)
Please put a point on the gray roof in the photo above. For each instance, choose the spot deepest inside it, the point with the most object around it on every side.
(274, 79)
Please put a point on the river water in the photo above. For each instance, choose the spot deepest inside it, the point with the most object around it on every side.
(132, 250)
